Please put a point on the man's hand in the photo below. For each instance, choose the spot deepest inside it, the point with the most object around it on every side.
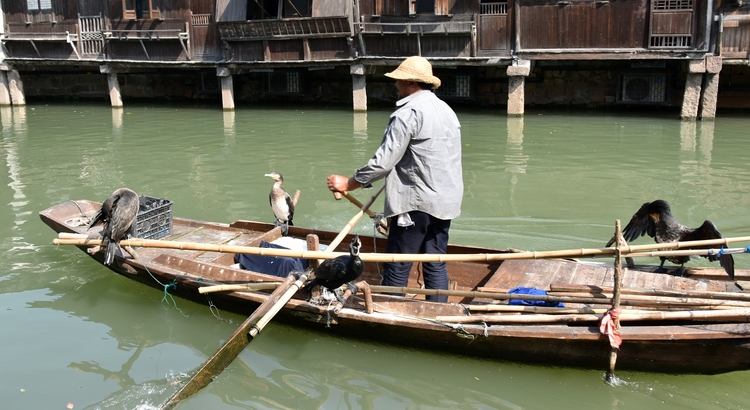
(339, 183)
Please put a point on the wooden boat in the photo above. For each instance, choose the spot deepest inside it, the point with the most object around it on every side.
(697, 323)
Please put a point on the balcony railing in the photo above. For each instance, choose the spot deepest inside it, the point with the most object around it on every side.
(445, 28)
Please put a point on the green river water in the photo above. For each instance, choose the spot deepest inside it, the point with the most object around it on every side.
(74, 333)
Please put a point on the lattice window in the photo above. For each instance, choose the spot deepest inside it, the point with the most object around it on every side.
(494, 9)
(456, 86)
(39, 5)
(284, 82)
(672, 5)
(209, 82)
(201, 19)
(671, 41)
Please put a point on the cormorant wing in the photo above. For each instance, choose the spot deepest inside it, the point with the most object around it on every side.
(290, 204)
(709, 231)
(640, 224)
(123, 214)
(332, 269)
(103, 213)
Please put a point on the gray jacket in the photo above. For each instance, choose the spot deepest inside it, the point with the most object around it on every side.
(420, 157)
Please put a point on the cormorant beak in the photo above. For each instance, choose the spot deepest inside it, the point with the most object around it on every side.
(355, 245)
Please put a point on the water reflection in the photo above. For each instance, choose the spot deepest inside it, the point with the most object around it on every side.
(515, 161)
(117, 114)
(230, 133)
(360, 148)
(706, 142)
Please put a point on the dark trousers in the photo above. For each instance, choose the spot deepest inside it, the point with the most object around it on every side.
(427, 235)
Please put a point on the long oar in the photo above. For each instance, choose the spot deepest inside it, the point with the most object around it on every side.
(255, 323)
(381, 223)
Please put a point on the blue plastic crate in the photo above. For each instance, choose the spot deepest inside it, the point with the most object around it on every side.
(154, 219)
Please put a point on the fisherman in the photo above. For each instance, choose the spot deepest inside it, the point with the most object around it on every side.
(420, 159)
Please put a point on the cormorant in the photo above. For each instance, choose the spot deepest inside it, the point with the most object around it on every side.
(118, 213)
(656, 220)
(345, 269)
(281, 203)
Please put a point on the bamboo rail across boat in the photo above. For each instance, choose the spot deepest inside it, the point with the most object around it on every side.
(636, 300)
(625, 316)
(630, 251)
(566, 287)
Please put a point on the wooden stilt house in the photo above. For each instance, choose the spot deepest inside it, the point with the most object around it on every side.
(653, 51)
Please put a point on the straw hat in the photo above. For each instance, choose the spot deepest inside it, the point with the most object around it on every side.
(415, 69)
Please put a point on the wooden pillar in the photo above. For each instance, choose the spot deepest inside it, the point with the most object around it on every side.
(4, 93)
(710, 88)
(692, 95)
(15, 88)
(227, 88)
(517, 73)
(359, 87)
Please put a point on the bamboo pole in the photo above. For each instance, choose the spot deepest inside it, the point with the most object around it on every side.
(547, 298)
(565, 287)
(243, 286)
(594, 299)
(541, 309)
(615, 312)
(692, 315)
(695, 301)
(387, 257)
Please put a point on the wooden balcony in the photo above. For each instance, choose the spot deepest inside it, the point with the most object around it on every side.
(140, 36)
(311, 27)
(35, 39)
(431, 39)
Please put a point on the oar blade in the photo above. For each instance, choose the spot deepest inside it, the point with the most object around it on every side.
(231, 348)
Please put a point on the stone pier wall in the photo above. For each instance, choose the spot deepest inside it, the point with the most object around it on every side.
(589, 85)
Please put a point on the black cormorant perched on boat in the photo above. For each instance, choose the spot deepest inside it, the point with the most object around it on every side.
(345, 269)
(118, 213)
(281, 203)
(656, 220)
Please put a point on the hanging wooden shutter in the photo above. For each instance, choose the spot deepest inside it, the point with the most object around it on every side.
(128, 9)
(154, 9)
(442, 7)
(330, 8)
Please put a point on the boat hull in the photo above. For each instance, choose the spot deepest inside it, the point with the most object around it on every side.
(669, 347)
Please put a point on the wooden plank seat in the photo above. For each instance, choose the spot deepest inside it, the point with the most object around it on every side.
(149, 35)
(34, 37)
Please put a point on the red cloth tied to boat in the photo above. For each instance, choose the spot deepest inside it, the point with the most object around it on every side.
(608, 327)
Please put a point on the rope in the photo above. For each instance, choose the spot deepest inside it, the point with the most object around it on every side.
(211, 307)
(166, 287)
(378, 217)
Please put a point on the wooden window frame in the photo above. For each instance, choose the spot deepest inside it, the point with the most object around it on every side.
(38, 8)
(39, 14)
(440, 8)
(153, 10)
